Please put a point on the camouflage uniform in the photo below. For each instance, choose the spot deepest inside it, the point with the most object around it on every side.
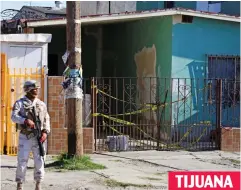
(20, 112)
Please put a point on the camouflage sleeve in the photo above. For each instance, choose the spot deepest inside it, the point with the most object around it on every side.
(16, 117)
(46, 124)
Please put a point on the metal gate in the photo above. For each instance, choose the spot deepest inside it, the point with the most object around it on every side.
(161, 113)
(12, 80)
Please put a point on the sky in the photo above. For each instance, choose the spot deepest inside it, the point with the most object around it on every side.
(18, 4)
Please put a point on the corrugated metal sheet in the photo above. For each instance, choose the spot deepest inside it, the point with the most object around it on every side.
(144, 12)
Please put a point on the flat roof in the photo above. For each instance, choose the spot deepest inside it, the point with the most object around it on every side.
(27, 38)
(130, 16)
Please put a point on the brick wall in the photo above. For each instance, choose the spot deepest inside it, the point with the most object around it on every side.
(57, 140)
(230, 140)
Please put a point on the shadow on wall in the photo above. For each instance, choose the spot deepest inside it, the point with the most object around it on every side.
(204, 93)
(197, 71)
(201, 104)
(195, 109)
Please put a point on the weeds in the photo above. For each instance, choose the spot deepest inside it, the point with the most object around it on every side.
(66, 162)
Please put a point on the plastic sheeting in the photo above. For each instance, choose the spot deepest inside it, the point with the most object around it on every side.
(74, 92)
(117, 143)
(86, 110)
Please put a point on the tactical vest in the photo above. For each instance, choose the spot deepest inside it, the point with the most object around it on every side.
(28, 110)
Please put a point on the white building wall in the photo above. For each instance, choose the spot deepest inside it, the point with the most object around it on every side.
(26, 54)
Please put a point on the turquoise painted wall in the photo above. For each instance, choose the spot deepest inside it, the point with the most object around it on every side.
(230, 7)
(190, 44)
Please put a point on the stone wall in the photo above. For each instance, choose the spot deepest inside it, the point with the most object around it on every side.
(57, 140)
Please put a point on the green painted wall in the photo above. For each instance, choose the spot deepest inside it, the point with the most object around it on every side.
(122, 42)
(155, 31)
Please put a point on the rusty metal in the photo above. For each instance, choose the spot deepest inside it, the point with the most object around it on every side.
(188, 121)
(160, 123)
(224, 66)
(218, 112)
(227, 68)
(94, 107)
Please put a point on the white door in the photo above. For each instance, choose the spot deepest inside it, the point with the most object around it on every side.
(24, 63)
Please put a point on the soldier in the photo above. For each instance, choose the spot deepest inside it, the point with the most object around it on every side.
(22, 115)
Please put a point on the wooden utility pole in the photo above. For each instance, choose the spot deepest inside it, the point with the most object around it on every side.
(73, 102)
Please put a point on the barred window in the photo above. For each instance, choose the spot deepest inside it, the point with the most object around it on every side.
(226, 68)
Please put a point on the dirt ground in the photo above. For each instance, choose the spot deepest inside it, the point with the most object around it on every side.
(125, 170)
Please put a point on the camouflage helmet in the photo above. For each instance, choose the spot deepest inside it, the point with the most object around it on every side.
(30, 85)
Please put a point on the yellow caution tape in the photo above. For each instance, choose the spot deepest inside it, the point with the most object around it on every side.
(176, 145)
(98, 90)
(204, 130)
(122, 122)
(183, 137)
(127, 123)
(151, 107)
(114, 119)
(146, 104)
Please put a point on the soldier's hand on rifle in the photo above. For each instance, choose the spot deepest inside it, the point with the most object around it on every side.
(29, 123)
(43, 137)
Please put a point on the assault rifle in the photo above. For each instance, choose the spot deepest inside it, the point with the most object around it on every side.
(37, 122)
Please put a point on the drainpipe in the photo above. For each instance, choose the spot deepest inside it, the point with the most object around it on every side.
(109, 7)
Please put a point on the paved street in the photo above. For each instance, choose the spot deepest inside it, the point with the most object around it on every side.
(125, 170)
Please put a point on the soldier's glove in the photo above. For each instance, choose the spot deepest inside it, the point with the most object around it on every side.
(43, 137)
(29, 123)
